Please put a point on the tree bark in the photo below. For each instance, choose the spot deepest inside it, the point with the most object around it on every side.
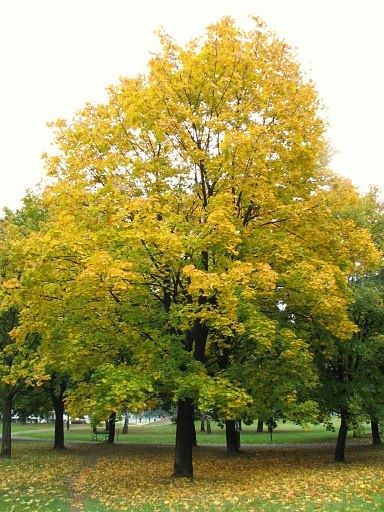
(341, 438)
(260, 426)
(376, 439)
(183, 449)
(6, 439)
(23, 418)
(111, 428)
(125, 426)
(202, 424)
(194, 439)
(209, 430)
(232, 436)
(58, 406)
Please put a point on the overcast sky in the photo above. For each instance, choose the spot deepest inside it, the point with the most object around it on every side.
(58, 54)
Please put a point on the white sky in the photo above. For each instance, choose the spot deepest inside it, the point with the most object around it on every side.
(57, 54)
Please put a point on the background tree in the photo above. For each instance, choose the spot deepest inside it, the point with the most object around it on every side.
(33, 402)
(20, 364)
(351, 371)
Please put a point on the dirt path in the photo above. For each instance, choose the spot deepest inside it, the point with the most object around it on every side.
(77, 503)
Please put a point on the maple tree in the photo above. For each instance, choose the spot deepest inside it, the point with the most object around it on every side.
(351, 371)
(369, 315)
(32, 402)
(20, 363)
(182, 214)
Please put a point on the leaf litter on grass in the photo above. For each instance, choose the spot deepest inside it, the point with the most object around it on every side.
(138, 478)
(35, 479)
(288, 479)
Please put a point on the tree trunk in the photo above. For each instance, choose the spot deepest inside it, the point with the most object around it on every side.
(232, 436)
(209, 430)
(341, 438)
(23, 418)
(202, 424)
(376, 439)
(194, 440)
(125, 426)
(58, 406)
(239, 426)
(6, 440)
(260, 426)
(111, 428)
(183, 449)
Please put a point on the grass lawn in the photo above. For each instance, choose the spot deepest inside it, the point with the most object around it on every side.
(153, 433)
(102, 478)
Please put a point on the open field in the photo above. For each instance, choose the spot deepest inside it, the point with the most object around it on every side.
(153, 433)
(102, 478)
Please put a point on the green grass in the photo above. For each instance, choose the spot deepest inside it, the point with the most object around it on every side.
(21, 501)
(18, 427)
(346, 504)
(165, 434)
(103, 478)
(36, 479)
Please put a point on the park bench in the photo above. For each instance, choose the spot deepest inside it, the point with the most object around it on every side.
(100, 435)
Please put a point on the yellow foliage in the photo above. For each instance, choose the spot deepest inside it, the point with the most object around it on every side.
(192, 199)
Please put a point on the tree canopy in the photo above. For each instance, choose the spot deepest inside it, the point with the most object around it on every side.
(184, 214)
